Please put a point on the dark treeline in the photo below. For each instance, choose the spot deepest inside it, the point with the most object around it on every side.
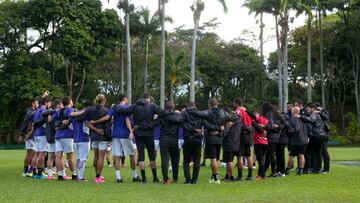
(75, 48)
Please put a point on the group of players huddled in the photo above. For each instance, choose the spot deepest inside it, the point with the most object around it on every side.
(52, 129)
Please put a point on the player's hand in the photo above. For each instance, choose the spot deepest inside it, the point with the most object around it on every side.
(131, 136)
(65, 122)
(92, 122)
(198, 131)
(100, 131)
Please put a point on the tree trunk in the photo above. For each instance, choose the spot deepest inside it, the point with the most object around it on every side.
(122, 70)
(322, 61)
(285, 70)
(261, 38)
(146, 66)
(172, 92)
(280, 76)
(193, 58)
(128, 49)
(309, 79)
(162, 67)
(81, 86)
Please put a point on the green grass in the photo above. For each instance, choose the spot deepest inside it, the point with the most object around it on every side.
(343, 184)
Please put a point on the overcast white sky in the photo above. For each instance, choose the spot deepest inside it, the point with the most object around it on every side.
(232, 23)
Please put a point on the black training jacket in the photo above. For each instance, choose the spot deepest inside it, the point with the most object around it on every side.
(143, 116)
(298, 130)
(50, 126)
(317, 124)
(216, 117)
(170, 122)
(284, 138)
(273, 134)
(95, 113)
(231, 142)
(192, 120)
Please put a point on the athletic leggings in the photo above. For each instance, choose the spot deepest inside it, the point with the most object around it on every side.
(280, 158)
(191, 151)
(316, 156)
(260, 153)
(167, 153)
(270, 157)
(326, 157)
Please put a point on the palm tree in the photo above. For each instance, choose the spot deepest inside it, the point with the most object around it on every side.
(307, 6)
(271, 7)
(197, 7)
(127, 8)
(176, 70)
(149, 25)
(162, 66)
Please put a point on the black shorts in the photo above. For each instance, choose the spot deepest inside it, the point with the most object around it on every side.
(245, 149)
(148, 142)
(296, 150)
(212, 151)
(229, 156)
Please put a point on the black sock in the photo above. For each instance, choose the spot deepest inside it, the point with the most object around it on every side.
(108, 162)
(227, 176)
(25, 169)
(98, 175)
(34, 169)
(40, 170)
(250, 172)
(240, 172)
(216, 176)
(153, 170)
(143, 175)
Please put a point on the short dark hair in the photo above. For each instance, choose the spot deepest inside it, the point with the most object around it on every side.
(318, 104)
(213, 102)
(299, 102)
(170, 105)
(146, 95)
(55, 103)
(121, 97)
(32, 101)
(44, 100)
(312, 105)
(238, 101)
(66, 100)
(191, 104)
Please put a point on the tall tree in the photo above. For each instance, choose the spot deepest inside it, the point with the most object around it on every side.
(197, 7)
(162, 52)
(176, 70)
(307, 7)
(127, 7)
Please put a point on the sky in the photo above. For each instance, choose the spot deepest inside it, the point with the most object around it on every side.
(231, 25)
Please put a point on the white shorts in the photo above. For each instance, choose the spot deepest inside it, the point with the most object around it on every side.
(40, 144)
(51, 147)
(99, 145)
(30, 144)
(122, 147)
(82, 150)
(157, 145)
(134, 146)
(64, 145)
(181, 143)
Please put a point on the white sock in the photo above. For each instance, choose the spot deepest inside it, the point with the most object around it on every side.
(73, 173)
(134, 174)
(117, 174)
(81, 172)
(64, 172)
(60, 173)
(49, 171)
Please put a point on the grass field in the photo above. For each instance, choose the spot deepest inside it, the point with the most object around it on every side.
(342, 185)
